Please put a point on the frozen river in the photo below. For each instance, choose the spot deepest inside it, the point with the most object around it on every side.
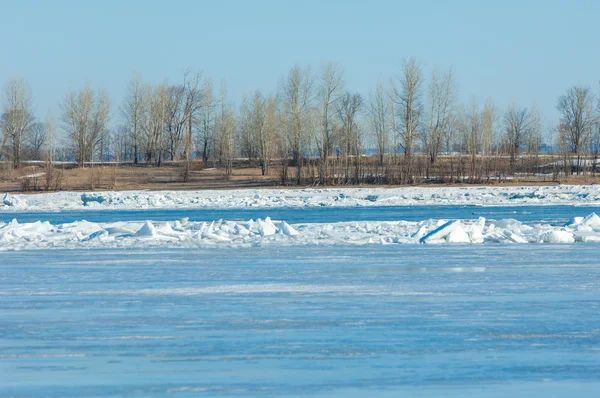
(348, 321)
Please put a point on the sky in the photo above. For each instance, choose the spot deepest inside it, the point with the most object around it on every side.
(511, 51)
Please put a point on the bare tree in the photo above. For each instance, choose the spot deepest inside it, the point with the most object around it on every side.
(534, 137)
(132, 111)
(249, 147)
(257, 120)
(85, 115)
(407, 98)
(330, 90)
(488, 126)
(595, 144)
(517, 123)
(120, 143)
(349, 107)
(193, 103)
(153, 122)
(52, 179)
(263, 120)
(379, 116)
(393, 120)
(577, 119)
(226, 132)
(282, 146)
(17, 117)
(595, 147)
(297, 96)
(207, 120)
(442, 95)
(175, 119)
(473, 137)
(36, 140)
(50, 137)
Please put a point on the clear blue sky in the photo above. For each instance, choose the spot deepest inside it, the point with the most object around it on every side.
(509, 50)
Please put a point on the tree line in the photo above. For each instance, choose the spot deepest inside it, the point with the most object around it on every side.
(313, 129)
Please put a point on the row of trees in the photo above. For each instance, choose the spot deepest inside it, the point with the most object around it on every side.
(313, 124)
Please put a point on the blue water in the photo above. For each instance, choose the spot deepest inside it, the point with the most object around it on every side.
(549, 214)
(400, 320)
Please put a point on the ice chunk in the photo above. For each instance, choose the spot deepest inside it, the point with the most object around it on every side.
(147, 230)
(458, 235)
(476, 231)
(101, 234)
(590, 238)
(241, 230)
(558, 237)
(592, 221)
(167, 230)
(84, 227)
(509, 223)
(513, 237)
(575, 221)
(119, 230)
(215, 237)
(441, 232)
(100, 197)
(266, 227)
(582, 227)
(287, 229)
(420, 232)
(13, 201)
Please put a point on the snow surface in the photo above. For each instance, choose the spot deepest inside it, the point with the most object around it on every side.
(184, 233)
(583, 195)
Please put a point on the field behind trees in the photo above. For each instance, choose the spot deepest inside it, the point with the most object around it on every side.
(313, 130)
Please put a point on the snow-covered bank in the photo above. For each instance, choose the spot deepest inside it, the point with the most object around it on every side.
(269, 198)
(183, 233)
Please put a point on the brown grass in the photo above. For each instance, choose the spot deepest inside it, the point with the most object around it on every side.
(169, 177)
(166, 177)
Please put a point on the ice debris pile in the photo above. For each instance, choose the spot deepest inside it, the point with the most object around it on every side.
(94, 197)
(186, 233)
(13, 201)
(580, 229)
(269, 198)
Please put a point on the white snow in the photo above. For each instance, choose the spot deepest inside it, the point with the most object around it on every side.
(582, 195)
(185, 233)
